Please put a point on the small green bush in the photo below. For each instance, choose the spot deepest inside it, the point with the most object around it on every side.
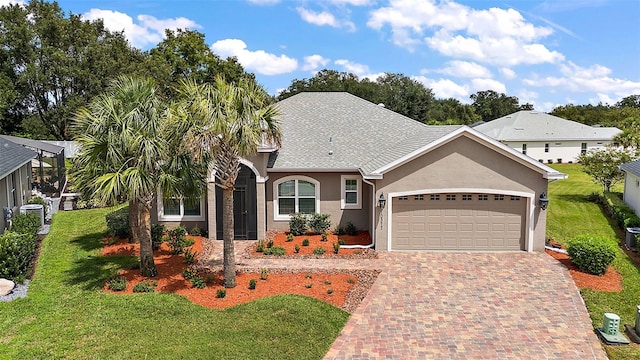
(305, 242)
(189, 274)
(198, 282)
(196, 231)
(296, 248)
(16, 254)
(290, 237)
(269, 244)
(298, 224)
(40, 201)
(221, 293)
(178, 240)
(351, 281)
(276, 250)
(336, 248)
(252, 284)
(117, 283)
(318, 251)
(145, 286)
(339, 230)
(350, 229)
(260, 246)
(341, 242)
(264, 274)
(327, 282)
(324, 237)
(591, 253)
(618, 209)
(319, 223)
(28, 223)
(157, 232)
(329, 291)
(190, 256)
(118, 222)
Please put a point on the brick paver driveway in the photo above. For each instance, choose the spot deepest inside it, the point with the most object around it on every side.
(469, 306)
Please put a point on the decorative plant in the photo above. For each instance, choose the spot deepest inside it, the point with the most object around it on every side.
(290, 237)
(305, 242)
(341, 241)
(329, 291)
(264, 274)
(221, 293)
(296, 249)
(269, 244)
(350, 229)
(118, 283)
(198, 282)
(157, 232)
(276, 250)
(324, 237)
(318, 251)
(319, 223)
(336, 248)
(298, 224)
(252, 284)
(190, 256)
(260, 246)
(145, 286)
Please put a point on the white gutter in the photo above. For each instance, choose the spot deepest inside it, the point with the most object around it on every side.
(373, 221)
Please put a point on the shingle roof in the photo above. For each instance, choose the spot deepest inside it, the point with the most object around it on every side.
(340, 131)
(13, 156)
(538, 126)
(632, 167)
(35, 144)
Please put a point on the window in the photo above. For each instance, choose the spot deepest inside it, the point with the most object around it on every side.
(546, 148)
(300, 194)
(466, 197)
(483, 197)
(351, 192)
(451, 197)
(524, 149)
(13, 199)
(418, 197)
(434, 197)
(498, 197)
(175, 208)
(515, 198)
(403, 198)
(583, 148)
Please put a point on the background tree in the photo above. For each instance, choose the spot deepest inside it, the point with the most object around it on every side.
(629, 101)
(490, 105)
(602, 165)
(224, 122)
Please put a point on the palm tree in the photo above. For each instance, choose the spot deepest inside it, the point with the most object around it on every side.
(227, 122)
(126, 153)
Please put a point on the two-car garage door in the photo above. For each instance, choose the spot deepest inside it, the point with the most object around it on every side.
(458, 222)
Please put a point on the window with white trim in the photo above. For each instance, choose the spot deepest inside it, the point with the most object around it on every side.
(177, 208)
(351, 190)
(434, 197)
(483, 197)
(403, 198)
(418, 197)
(498, 197)
(13, 198)
(515, 198)
(466, 197)
(295, 194)
(451, 197)
(546, 148)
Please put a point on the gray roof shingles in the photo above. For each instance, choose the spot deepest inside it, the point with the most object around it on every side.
(632, 167)
(338, 131)
(538, 126)
(13, 156)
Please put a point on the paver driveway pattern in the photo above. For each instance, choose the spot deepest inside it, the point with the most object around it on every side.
(469, 306)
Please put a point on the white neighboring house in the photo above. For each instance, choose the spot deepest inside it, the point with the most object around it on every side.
(632, 184)
(547, 138)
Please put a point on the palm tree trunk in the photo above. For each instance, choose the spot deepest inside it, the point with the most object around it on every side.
(147, 266)
(229, 262)
(134, 225)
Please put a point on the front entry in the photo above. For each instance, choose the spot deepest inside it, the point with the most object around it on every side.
(245, 220)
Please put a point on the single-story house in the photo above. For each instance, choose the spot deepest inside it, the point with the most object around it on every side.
(15, 178)
(547, 138)
(412, 186)
(631, 193)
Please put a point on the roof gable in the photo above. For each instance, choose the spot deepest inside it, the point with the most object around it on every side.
(632, 167)
(13, 156)
(538, 126)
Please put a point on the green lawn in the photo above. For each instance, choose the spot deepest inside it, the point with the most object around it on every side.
(570, 214)
(66, 315)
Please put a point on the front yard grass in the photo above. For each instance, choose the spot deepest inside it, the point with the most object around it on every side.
(67, 315)
(571, 214)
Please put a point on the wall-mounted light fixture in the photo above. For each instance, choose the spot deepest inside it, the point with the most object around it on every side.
(382, 201)
(544, 201)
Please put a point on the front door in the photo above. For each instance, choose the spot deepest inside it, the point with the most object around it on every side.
(245, 209)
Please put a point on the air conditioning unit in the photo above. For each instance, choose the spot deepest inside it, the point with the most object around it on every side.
(34, 208)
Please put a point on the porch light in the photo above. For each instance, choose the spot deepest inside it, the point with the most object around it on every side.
(382, 201)
(544, 201)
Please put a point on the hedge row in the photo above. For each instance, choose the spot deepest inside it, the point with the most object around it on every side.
(617, 209)
(18, 247)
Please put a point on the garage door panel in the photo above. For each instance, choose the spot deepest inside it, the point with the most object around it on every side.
(459, 224)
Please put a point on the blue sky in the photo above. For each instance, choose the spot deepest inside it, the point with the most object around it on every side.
(548, 53)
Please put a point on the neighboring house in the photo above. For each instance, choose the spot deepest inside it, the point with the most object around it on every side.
(547, 138)
(15, 178)
(445, 187)
(632, 184)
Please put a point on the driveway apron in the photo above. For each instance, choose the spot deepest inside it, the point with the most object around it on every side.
(469, 306)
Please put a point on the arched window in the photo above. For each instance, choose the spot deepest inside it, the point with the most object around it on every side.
(295, 194)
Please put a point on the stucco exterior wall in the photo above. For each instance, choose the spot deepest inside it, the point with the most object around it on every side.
(632, 191)
(465, 164)
(330, 194)
(565, 150)
(23, 192)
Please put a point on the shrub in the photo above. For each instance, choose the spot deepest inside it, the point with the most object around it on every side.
(618, 209)
(196, 231)
(323, 238)
(189, 274)
(350, 229)
(16, 254)
(118, 222)
(28, 223)
(117, 283)
(40, 201)
(145, 286)
(591, 253)
(157, 232)
(329, 291)
(319, 223)
(221, 293)
(276, 250)
(269, 244)
(190, 256)
(296, 248)
(260, 246)
(336, 248)
(339, 231)
(298, 224)
(178, 240)
(264, 274)
(305, 242)
(198, 282)
(307, 276)
(327, 282)
(340, 241)
(290, 237)
(318, 251)
(252, 284)
(351, 281)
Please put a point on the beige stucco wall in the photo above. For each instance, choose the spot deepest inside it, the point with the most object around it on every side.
(463, 164)
(23, 187)
(330, 194)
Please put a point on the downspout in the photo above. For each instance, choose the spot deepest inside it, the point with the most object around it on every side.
(373, 221)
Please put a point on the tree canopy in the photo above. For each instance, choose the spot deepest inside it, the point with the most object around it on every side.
(602, 165)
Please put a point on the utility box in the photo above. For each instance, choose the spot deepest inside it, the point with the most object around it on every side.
(35, 209)
(631, 241)
(610, 323)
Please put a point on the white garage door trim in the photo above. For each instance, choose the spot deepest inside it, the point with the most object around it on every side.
(529, 219)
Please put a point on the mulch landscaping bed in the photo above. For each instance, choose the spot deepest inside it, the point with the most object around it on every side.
(344, 289)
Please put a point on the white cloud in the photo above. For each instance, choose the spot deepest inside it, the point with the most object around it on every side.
(352, 67)
(259, 61)
(602, 98)
(487, 84)
(494, 36)
(324, 18)
(507, 73)
(11, 2)
(313, 62)
(465, 69)
(148, 30)
(373, 77)
(352, 2)
(445, 88)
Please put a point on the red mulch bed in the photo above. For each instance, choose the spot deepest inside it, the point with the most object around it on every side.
(315, 241)
(610, 281)
(170, 280)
